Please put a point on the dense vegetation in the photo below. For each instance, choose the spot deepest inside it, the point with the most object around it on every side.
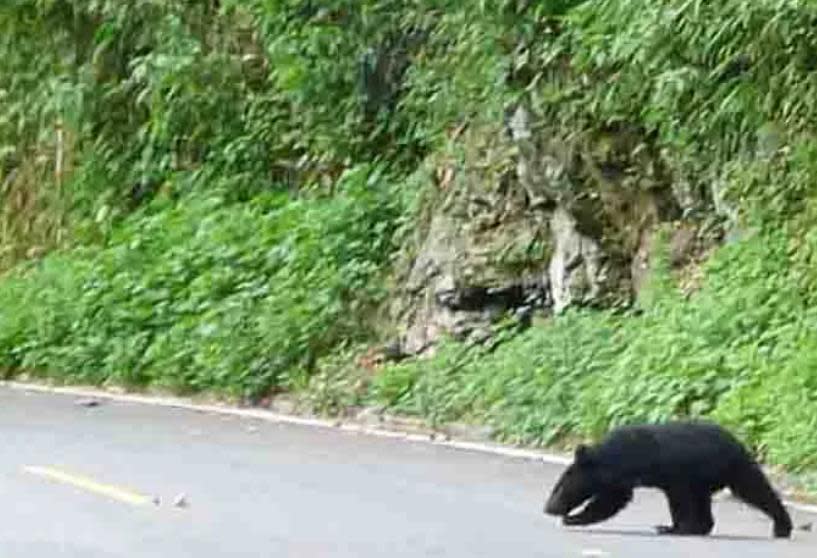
(220, 187)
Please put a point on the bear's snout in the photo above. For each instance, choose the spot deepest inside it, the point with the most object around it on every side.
(553, 507)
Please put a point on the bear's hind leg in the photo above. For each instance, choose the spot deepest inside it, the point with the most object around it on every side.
(751, 485)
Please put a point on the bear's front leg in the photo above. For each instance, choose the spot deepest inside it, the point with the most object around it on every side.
(691, 511)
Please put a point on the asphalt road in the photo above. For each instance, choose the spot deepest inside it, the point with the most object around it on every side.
(78, 481)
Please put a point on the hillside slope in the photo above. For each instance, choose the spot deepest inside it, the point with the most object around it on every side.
(547, 217)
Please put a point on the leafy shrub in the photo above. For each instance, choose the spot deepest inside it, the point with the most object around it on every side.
(740, 350)
(206, 295)
(157, 138)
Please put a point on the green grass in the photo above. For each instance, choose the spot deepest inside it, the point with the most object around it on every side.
(742, 350)
(215, 280)
(205, 295)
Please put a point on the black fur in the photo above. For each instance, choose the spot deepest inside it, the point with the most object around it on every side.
(688, 461)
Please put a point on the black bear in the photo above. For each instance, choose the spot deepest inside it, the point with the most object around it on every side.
(688, 461)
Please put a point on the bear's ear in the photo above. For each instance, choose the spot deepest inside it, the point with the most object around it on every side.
(583, 455)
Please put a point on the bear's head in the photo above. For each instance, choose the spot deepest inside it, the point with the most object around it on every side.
(578, 483)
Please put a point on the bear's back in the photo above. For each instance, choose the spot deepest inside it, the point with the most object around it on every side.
(657, 454)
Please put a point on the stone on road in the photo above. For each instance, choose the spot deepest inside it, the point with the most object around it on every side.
(267, 489)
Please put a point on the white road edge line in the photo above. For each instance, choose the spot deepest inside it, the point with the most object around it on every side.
(271, 416)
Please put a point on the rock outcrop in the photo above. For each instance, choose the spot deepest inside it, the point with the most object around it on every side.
(520, 222)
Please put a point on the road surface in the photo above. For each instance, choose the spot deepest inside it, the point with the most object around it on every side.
(78, 481)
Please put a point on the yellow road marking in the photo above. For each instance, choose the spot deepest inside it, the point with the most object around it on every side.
(89, 485)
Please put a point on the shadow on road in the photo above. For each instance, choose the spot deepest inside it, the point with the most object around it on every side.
(652, 534)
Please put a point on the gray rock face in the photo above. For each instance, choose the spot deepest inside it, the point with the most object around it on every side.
(447, 293)
(542, 164)
(521, 222)
(577, 273)
(432, 273)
